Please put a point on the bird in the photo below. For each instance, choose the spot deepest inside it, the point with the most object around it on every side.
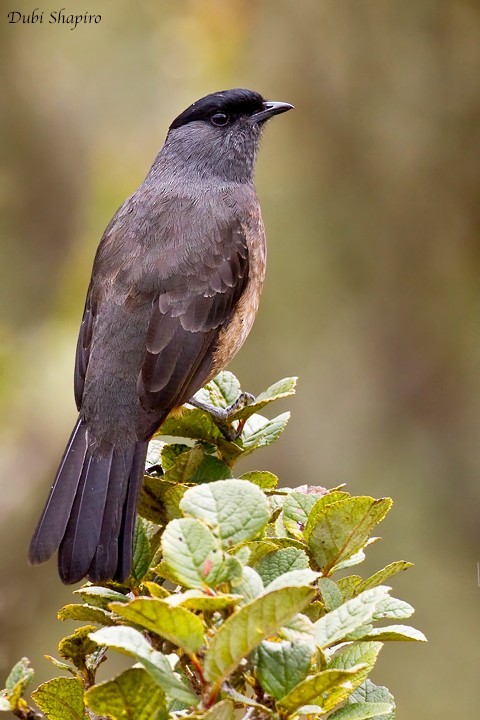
(174, 290)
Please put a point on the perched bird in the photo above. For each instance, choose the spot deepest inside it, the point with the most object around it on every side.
(174, 291)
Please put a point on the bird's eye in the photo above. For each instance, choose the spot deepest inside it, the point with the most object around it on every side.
(219, 119)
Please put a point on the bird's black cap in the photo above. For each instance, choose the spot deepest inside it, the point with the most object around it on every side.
(234, 103)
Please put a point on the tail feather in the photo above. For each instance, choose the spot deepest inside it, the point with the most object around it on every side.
(85, 523)
(53, 521)
(130, 512)
(105, 560)
(90, 512)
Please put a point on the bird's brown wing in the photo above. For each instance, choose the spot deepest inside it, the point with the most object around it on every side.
(187, 317)
(83, 348)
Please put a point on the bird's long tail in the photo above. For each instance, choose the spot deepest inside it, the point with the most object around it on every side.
(90, 512)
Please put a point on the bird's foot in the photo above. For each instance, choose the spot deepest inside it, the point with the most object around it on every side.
(221, 416)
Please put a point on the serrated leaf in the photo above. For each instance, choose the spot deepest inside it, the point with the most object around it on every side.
(387, 572)
(296, 509)
(133, 694)
(77, 646)
(368, 692)
(221, 392)
(222, 710)
(279, 390)
(61, 699)
(246, 629)
(186, 465)
(330, 592)
(85, 613)
(310, 690)
(348, 585)
(141, 551)
(21, 673)
(193, 553)
(260, 432)
(132, 643)
(99, 596)
(191, 423)
(361, 711)
(349, 657)
(151, 500)
(396, 632)
(197, 600)
(176, 624)
(393, 609)
(170, 453)
(264, 479)
(294, 578)
(236, 509)
(336, 532)
(20, 676)
(299, 629)
(155, 589)
(61, 665)
(279, 562)
(249, 585)
(154, 453)
(280, 666)
(339, 623)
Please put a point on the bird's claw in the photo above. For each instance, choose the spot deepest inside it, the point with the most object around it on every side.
(221, 416)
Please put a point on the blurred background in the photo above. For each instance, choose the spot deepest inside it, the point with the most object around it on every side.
(370, 196)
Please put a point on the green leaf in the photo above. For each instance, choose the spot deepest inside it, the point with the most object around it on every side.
(21, 675)
(347, 658)
(196, 466)
(236, 509)
(393, 609)
(260, 432)
(279, 390)
(396, 632)
(133, 694)
(5, 704)
(361, 711)
(170, 453)
(192, 423)
(221, 392)
(280, 562)
(249, 585)
(338, 623)
(348, 585)
(61, 665)
(192, 553)
(61, 699)
(99, 596)
(381, 576)
(246, 629)
(280, 666)
(310, 690)
(77, 646)
(264, 479)
(299, 629)
(368, 692)
(330, 592)
(294, 578)
(176, 624)
(296, 509)
(222, 710)
(132, 643)
(85, 613)
(197, 600)
(141, 551)
(337, 531)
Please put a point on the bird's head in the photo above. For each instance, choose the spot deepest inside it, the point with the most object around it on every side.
(219, 134)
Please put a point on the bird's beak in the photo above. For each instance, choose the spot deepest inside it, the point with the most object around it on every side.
(270, 109)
